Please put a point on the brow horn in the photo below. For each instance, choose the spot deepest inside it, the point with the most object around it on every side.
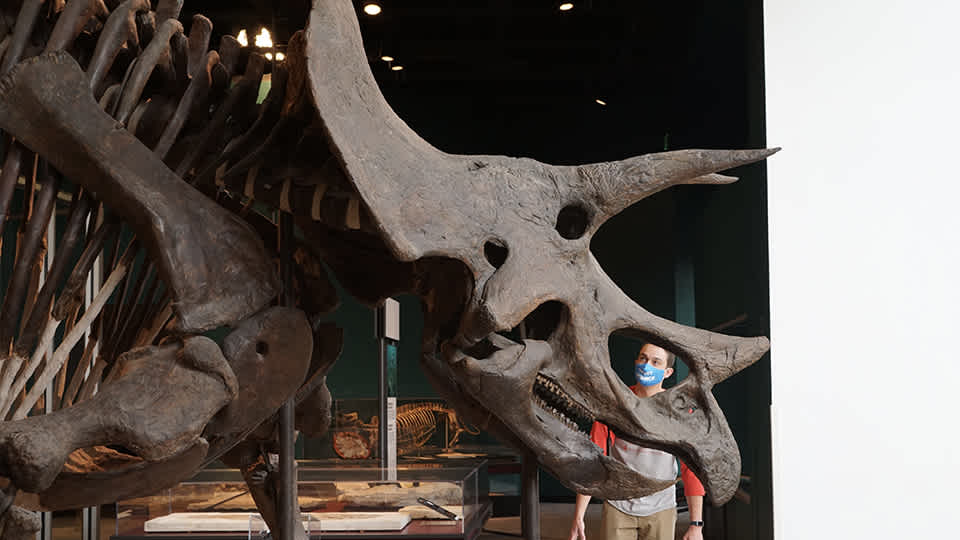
(619, 184)
(384, 158)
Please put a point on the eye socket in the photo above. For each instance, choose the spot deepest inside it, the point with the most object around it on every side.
(496, 252)
(262, 348)
(572, 221)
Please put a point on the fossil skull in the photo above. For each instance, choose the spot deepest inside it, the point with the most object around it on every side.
(521, 231)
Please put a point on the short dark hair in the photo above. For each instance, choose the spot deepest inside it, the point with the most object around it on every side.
(671, 358)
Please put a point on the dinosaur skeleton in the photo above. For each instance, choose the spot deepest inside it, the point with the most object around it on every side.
(164, 156)
(416, 424)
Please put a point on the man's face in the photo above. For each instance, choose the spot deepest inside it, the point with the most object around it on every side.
(655, 357)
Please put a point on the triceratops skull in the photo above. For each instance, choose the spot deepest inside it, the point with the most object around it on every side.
(522, 231)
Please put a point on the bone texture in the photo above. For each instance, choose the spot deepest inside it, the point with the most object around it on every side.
(210, 259)
(200, 384)
(522, 207)
(182, 176)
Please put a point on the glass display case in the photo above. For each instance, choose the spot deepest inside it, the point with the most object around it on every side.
(425, 427)
(438, 438)
(416, 500)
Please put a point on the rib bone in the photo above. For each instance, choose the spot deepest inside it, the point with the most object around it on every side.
(26, 20)
(72, 20)
(63, 350)
(216, 267)
(120, 28)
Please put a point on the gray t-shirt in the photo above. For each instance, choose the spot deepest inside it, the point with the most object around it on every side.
(652, 464)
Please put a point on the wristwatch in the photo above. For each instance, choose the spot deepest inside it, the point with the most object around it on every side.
(696, 524)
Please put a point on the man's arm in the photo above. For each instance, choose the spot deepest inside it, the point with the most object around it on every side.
(577, 530)
(598, 434)
(694, 492)
(695, 503)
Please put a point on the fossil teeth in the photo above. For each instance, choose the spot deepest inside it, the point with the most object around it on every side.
(550, 396)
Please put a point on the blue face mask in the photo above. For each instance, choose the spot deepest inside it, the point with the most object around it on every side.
(648, 375)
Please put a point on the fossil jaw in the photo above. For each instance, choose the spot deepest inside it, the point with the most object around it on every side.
(546, 418)
(550, 397)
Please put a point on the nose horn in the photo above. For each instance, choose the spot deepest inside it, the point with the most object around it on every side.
(619, 184)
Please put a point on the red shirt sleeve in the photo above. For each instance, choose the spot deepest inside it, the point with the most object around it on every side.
(599, 434)
(691, 484)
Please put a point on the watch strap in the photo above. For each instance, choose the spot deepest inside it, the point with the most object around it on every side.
(696, 524)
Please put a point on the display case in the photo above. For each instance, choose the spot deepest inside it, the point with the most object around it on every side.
(335, 503)
(429, 432)
(425, 427)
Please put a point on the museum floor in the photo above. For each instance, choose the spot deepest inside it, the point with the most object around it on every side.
(554, 525)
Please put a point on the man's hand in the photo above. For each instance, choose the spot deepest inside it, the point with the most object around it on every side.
(695, 504)
(693, 533)
(578, 531)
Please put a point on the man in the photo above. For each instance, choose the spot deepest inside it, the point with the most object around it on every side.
(653, 517)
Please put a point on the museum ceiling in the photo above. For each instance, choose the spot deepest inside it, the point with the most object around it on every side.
(526, 76)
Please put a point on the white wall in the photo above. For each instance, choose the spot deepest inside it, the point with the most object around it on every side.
(864, 262)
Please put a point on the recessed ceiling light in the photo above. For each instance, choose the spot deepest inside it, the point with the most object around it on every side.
(397, 68)
(280, 57)
(372, 9)
(386, 58)
(600, 102)
(269, 56)
(566, 6)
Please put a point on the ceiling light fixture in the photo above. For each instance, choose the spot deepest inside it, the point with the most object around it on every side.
(372, 9)
(601, 102)
(269, 56)
(242, 38)
(281, 57)
(263, 39)
(386, 58)
(397, 68)
(566, 6)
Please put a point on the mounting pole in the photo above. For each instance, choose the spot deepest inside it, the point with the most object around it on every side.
(289, 510)
(388, 335)
(90, 516)
(46, 518)
(530, 497)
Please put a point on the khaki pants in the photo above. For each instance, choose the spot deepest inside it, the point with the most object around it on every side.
(619, 526)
